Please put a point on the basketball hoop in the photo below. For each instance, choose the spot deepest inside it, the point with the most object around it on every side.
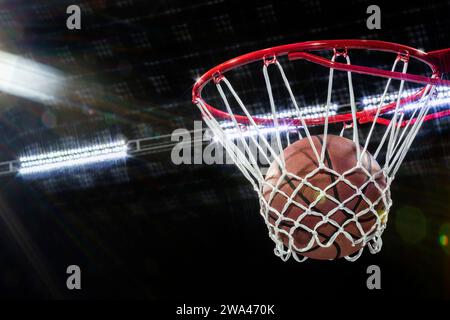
(305, 216)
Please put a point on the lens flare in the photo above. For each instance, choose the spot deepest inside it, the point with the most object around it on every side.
(444, 234)
(443, 240)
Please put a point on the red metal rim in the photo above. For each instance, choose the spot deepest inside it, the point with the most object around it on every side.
(300, 51)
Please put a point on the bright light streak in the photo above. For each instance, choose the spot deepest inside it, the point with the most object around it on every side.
(73, 157)
(308, 112)
(234, 134)
(432, 103)
(25, 78)
(312, 112)
(441, 99)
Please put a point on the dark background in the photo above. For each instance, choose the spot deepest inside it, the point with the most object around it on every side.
(150, 229)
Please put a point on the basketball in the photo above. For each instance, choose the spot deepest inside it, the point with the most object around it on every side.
(341, 157)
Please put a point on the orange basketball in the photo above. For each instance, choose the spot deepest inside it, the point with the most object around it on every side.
(340, 156)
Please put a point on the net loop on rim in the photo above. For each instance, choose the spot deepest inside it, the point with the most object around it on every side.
(340, 52)
(217, 77)
(255, 143)
(269, 59)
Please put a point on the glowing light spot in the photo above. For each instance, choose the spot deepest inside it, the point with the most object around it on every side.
(382, 214)
(443, 240)
(444, 234)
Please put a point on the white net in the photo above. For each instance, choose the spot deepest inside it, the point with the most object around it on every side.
(323, 207)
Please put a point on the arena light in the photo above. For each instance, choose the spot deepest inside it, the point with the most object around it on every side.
(308, 112)
(234, 134)
(441, 99)
(434, 103)
(73, 157)
(319, 111)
